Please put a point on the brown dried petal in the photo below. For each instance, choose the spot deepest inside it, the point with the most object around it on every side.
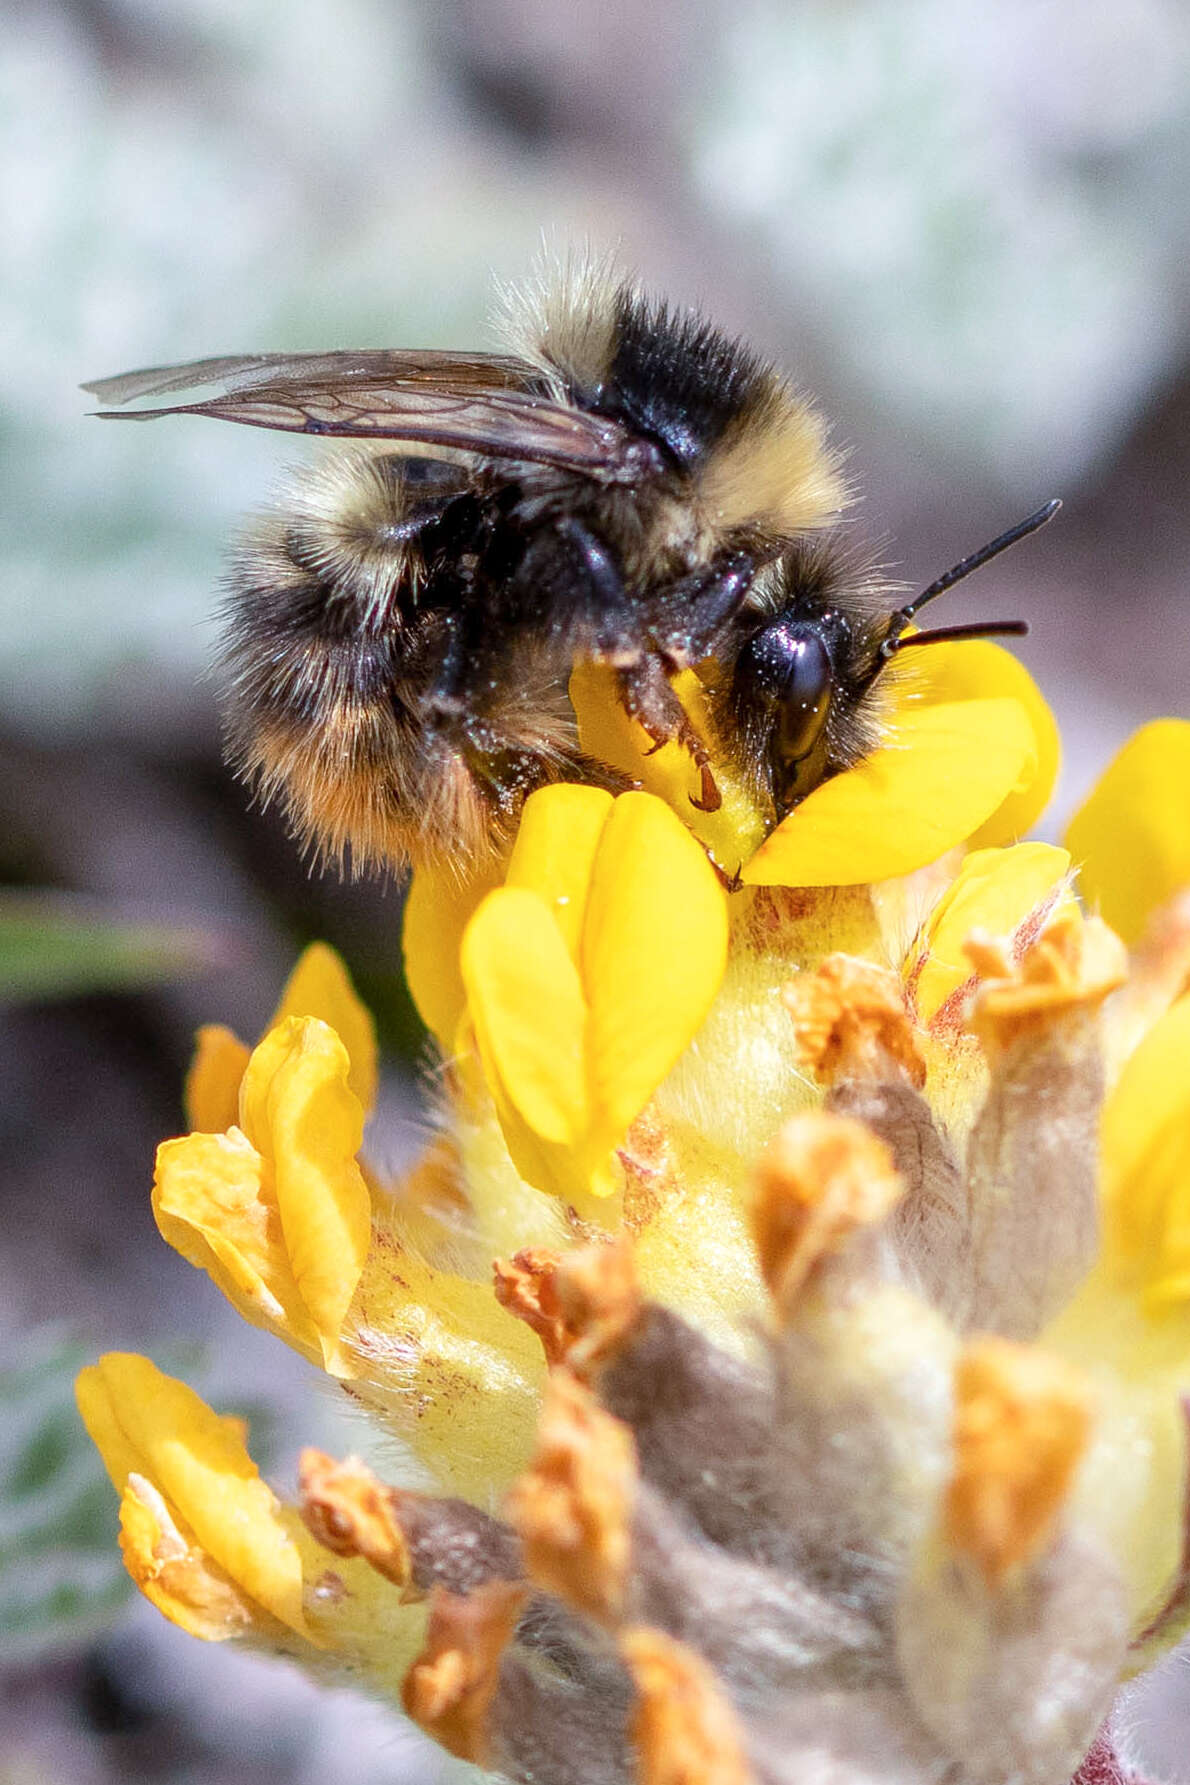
(450, 1687)
(526, 1285)
(417, 1541)
(573, 1505)
(581, 1304)
(1021, 1423)
(1072, 966)
(822, 1177)
(600, 1298)
(850, 1021)
(685, 1730)
(350, 1512)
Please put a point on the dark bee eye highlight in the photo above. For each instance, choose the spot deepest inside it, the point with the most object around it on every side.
(788, 667)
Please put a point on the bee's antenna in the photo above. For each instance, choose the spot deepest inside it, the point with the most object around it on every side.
(893, 640)
(973, 629)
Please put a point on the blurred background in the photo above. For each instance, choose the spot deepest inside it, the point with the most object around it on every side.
(965, 229)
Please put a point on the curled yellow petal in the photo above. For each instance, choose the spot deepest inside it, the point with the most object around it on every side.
(175, 1574)
(1131, 838)
(654, 951)
(995, 890)
(555, 849)
(319, 986)
(212, 1094)
(299, 1112)
(1145, 1154)
(214, 1201)
(438, 907)
(977, 669)
(150, 1425)
(945, 770)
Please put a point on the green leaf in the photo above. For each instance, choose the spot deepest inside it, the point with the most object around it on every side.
(61, 1576)
(53, 947)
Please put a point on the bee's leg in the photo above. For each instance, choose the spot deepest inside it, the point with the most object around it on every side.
(649, 699)
(606, 612)
(445, 695)
(504, 766)
(692, 611)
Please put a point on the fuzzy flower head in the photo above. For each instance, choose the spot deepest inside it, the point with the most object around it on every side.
(792, 1311)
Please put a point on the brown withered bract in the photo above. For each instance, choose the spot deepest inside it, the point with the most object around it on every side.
(630, 486)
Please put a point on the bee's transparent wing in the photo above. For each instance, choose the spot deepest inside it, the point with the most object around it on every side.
(490, 371)
(489, 404)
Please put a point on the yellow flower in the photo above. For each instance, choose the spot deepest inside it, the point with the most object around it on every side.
(583, 977)
(276, 1209)
(995, 890)
(1145, 1138)
(202, 1535)
(793, 1312)
(214, 1549)
(317, 987)
(1131, 838)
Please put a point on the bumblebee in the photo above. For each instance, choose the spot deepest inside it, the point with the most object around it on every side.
(628, 486)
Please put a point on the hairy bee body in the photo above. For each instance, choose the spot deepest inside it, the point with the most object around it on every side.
(630, 487)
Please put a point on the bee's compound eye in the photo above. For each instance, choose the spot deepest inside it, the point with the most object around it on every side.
(790, 665)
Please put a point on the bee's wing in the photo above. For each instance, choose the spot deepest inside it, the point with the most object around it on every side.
(481, 403)
(491, 371)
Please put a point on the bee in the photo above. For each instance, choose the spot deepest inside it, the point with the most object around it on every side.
(627, 486)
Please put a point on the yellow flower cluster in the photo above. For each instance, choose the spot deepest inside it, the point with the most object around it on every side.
(837, 1185)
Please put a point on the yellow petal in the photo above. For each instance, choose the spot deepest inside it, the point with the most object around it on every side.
(654, 951)
(319, 986)
(530, 1016)
(977, 669)
(1145, 1154)
(946, 769)
(175, 1575)
(146, 1423)
(214, 1201)
(607, 733)
(438, 908)
(554, 851)
(994, 890)
(299, 1112)
(212, 1094)
(1131, 838)
(1131, 1488)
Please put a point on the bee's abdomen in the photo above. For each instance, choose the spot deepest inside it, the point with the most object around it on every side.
(342, 700)
(328, 642)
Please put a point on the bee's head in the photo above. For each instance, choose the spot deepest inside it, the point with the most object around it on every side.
(805, 652)
(811, 652)
(784, 682)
